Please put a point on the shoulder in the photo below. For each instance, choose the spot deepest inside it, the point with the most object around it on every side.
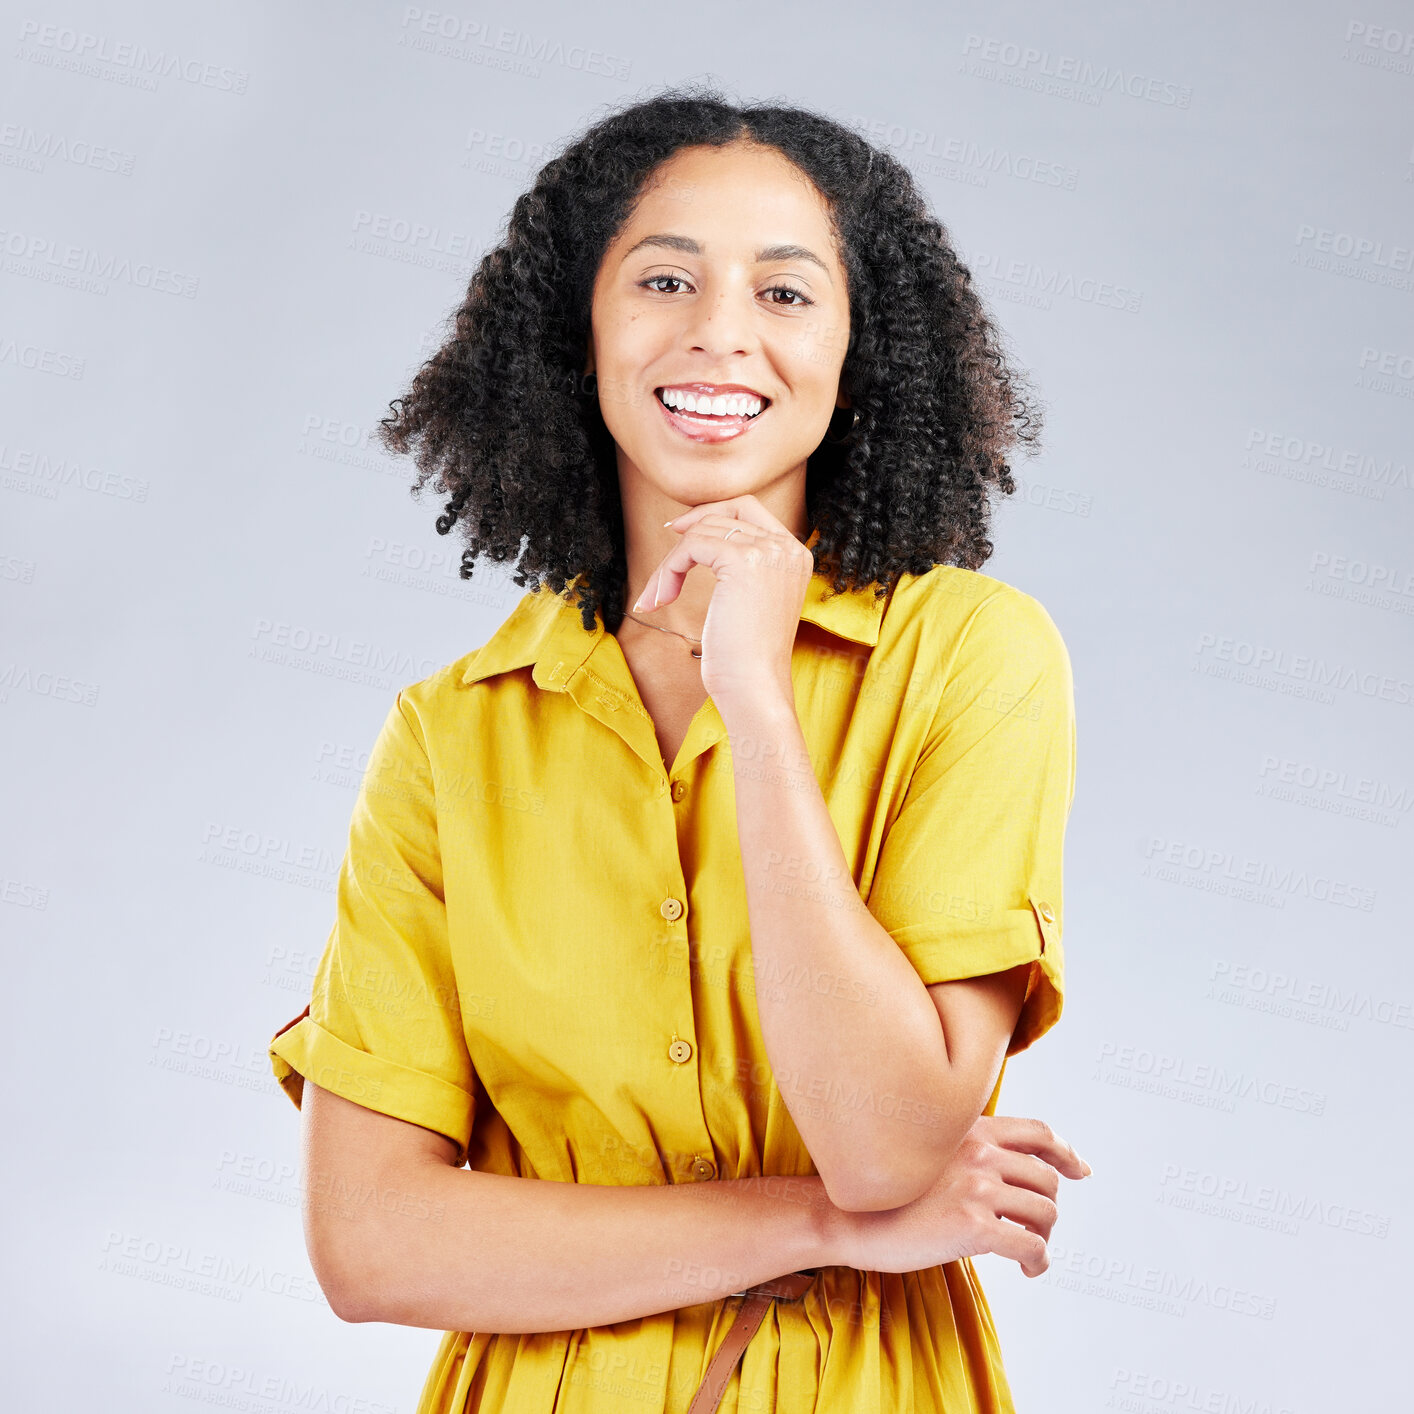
(438, 685)
(426, 709)
(515, 643)
(973, 617)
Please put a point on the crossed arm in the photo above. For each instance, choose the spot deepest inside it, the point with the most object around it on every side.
(397, 1233)
(906, 1068)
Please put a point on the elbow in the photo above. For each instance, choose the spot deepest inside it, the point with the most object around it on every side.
(349, 1302)
(903, 1176)
(362, 1286)
(875, 1192)
(349, 1292)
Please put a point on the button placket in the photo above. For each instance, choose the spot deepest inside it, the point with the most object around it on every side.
(694, 1149)
(683, 1055)
(601, 686)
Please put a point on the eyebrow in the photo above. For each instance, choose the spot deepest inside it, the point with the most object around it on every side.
(766, 254)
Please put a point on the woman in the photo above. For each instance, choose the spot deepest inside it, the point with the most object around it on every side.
(713, 891)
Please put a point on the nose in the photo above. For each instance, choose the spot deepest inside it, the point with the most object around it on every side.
(721, 324)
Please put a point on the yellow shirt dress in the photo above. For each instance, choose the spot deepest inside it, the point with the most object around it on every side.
(541, 950)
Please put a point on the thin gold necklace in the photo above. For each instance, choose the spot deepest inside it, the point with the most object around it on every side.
(696, 652)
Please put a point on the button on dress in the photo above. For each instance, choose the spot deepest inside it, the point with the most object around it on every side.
(541, 950)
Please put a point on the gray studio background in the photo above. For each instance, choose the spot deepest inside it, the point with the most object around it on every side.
(229, 234)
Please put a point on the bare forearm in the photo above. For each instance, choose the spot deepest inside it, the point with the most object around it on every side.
(472, 1251)
(844, 1015)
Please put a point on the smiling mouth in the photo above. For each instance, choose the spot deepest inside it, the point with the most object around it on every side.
(725, 409)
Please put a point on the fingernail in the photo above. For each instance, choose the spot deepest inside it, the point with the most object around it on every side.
(669, 522)
(638, 605)
(1088, 1169)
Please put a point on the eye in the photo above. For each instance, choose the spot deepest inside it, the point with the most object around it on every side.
(791, 290)
(799, 299)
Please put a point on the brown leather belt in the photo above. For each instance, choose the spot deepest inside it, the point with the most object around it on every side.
(748, 1319)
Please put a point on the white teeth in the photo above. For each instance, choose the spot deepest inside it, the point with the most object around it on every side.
(728, 405)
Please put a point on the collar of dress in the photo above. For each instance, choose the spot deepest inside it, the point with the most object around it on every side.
(545, 630)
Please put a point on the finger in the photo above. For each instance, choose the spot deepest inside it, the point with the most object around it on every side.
(1026, 1171)
(694, 514)
(774, 550)
(653, 595)
(648, 599)
(1018, 1242)
(746, 508)
(644, 603)
(1033, 1211)
(1035, 1136)
(732, 525)
(709, 550)
(677, 562)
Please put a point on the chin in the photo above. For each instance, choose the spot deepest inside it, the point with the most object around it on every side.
(693, 490)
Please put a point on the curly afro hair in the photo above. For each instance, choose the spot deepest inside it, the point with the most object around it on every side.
(500, 420)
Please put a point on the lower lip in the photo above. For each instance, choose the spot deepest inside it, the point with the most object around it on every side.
(707, 429)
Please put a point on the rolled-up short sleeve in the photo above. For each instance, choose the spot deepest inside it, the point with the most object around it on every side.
(383, 1027)
(969, 876)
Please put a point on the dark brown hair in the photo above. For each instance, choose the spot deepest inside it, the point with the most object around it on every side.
(499, 420)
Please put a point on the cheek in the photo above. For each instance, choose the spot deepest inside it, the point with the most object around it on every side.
(814, 392)
(632, 347)
(811, 364)
(626, 404)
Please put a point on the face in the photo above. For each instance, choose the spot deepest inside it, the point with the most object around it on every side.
(724, 292)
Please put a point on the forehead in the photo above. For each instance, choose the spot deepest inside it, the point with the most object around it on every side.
(727, 198)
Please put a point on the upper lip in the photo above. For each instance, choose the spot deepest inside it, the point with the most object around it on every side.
(715, 390)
